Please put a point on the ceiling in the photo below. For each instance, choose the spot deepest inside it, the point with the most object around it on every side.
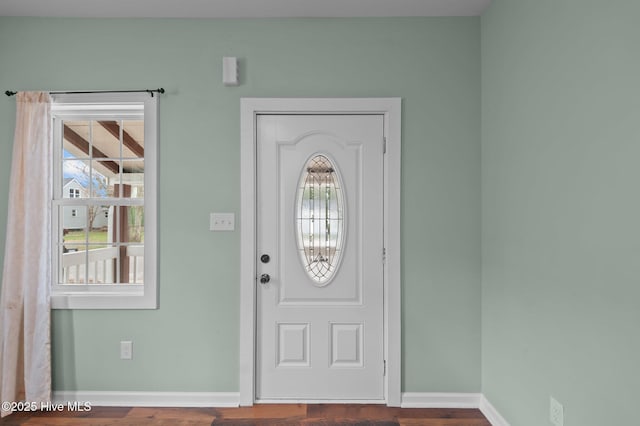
(106, 142)
(240, 8)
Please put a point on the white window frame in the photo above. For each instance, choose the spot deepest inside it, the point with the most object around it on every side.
(105, 106)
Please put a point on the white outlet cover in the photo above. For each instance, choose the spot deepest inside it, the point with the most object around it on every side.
(556, 412)
(126, 349)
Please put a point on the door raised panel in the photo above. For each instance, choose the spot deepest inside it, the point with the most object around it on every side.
(293, 345)
(346, 345)
(296, 286)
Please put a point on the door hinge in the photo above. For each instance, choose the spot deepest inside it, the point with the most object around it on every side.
(384, 144)
(384, 367)
(384, 255)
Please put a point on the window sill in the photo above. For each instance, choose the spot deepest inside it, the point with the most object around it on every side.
(104, 300)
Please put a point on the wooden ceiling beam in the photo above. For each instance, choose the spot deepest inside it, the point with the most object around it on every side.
(83, 145)
(114, 128)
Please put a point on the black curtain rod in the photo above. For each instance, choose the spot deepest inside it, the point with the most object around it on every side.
(150, 91)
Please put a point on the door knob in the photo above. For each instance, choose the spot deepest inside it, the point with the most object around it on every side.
(265, 278)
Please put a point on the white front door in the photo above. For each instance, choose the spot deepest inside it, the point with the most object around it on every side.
(320, 296)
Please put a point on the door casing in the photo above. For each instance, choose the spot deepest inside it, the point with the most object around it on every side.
(391, 109)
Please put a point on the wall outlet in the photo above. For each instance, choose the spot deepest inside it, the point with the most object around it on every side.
(556, 412)
(126, 349)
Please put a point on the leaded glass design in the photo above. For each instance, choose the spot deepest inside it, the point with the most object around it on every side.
(320, 219)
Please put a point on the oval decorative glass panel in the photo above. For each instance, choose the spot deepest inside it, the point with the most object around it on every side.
(319, 219)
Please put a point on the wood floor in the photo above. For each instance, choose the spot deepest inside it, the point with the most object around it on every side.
(258, 415)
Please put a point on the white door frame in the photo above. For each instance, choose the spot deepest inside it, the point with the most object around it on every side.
(249, 109)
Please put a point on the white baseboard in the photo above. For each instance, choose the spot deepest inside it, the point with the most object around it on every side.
(440, 400)
(491, 413)
(232, 399)
(453, 400)
(149, 399)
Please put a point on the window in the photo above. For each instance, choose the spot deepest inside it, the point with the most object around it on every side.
(104, 227)
(320, 219)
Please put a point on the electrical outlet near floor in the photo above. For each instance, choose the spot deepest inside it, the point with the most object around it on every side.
(556, 412)
(126, 349)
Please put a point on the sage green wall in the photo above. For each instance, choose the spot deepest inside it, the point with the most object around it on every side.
(560, 210)
(191, 342)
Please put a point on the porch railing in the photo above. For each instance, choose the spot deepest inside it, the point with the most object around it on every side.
(98, 266)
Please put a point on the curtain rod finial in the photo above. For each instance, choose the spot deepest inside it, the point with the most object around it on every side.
(9, 93)
(150, 91)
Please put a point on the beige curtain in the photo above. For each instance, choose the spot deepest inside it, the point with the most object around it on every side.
(25, 360)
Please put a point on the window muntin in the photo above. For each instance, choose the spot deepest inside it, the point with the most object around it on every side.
(105, 255)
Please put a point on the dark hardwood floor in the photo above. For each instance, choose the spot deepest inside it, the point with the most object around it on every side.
(258, 415)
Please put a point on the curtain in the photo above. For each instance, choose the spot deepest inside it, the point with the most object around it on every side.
(25, 303)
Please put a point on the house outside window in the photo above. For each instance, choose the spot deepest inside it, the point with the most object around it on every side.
(104, 205)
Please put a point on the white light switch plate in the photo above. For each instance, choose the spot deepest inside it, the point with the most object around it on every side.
(222, 222)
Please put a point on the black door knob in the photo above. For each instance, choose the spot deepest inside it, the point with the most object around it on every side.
(265, 278)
